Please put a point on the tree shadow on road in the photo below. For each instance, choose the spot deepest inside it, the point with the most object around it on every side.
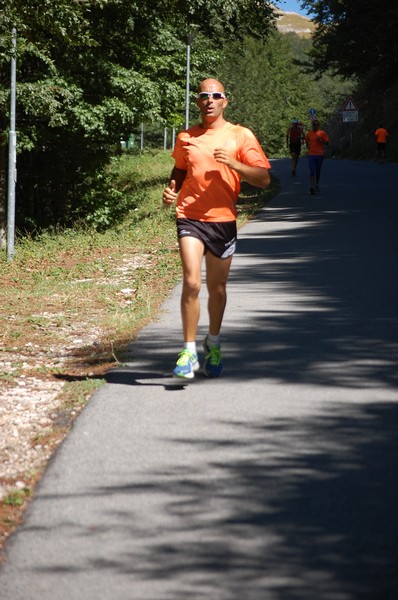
(302, 509)
(339, 272)
(337, 320)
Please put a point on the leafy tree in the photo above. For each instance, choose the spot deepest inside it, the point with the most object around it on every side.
(355, 39)
(267, 89)
(358, 41)
(87, 72)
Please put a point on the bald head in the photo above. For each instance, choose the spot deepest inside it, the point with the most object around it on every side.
(211, 85)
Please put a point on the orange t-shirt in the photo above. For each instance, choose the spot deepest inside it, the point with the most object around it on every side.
(381, 135)
(316, 147)
(210, 189)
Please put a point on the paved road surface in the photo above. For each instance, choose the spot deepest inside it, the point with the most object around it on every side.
(277, 481)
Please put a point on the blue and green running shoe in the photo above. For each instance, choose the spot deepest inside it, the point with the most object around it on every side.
(187, 364)
(213, 360)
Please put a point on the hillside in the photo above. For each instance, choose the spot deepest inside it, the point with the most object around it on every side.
(291, 22)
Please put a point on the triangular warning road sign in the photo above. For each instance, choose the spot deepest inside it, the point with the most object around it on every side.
(350, 104)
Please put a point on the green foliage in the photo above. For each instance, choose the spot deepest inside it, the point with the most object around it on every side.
(357, 42)
(270, 84)
(267, 88)
(355, 39)
(125, 182)
(100, 210)
(90, 71)
(16, 497)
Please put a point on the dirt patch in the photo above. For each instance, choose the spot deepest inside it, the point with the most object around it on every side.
(56, 348)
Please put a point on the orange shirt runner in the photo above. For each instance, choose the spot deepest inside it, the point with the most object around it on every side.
(315, 142)
(381, 135)
(210, 189)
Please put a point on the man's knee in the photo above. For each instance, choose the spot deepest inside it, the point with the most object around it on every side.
(218, 290)
(191, 287)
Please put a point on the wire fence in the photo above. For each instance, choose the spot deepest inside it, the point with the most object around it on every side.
(150, 136)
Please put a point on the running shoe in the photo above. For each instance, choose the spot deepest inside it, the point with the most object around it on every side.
(213, 360)
(186, 365)
(312, 190)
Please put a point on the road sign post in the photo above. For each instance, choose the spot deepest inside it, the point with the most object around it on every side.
(350, 111)
(350, 114)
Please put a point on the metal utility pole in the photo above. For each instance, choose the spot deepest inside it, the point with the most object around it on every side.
(12, 155)
(189, 42)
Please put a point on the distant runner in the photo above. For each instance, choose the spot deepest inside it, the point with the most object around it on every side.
(381, 141)
(294, 139)
(316, 140)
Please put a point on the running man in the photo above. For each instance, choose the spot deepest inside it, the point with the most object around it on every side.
(294, 139)
(210, 161)
(381, 141)
(316, 140)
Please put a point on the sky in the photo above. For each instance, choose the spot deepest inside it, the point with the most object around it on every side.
(291, 6)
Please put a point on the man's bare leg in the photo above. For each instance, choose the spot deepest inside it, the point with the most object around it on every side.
(217, 271)
(191, 252)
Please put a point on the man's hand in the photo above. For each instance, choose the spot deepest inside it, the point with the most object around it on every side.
(222, 155)
(257, 176)
(170, 195)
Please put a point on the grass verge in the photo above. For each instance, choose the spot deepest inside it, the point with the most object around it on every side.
(71, 301)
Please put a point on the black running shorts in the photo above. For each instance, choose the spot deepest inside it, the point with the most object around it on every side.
(217, 238)
(295, 147)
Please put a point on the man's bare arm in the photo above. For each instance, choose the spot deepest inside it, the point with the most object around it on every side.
(170, 194)
(257, 176)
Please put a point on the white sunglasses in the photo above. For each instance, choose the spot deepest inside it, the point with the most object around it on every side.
(207, 95)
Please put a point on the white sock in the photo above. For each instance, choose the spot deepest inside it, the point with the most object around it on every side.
(213, 340)
(191, 346)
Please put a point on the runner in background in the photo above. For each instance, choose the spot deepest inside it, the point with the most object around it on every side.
(381, 141)
(316, 140)
(294, 139)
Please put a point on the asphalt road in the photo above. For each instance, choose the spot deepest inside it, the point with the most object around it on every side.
(277, 481)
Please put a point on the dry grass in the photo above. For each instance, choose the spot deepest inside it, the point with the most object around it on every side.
(71, 302)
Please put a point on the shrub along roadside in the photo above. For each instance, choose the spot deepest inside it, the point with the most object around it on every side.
(71, 300)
